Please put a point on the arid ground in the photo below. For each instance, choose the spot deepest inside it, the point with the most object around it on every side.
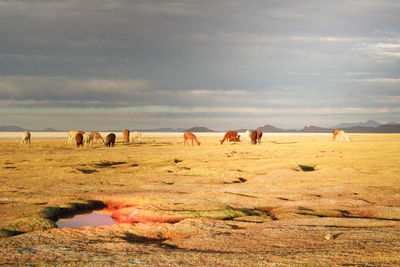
(293, 200)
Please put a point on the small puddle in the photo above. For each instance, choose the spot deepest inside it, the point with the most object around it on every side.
(95, 218)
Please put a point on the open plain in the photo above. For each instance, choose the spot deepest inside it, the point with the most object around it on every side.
(293, 200)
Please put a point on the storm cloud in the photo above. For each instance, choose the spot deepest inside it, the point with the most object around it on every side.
(220, 64)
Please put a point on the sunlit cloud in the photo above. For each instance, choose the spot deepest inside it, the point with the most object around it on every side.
(378, 80)
(387, 99)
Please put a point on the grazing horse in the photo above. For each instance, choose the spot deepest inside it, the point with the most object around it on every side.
(256, 137)
(340, 135)
(136, 136)
(96, 137)
(79, 139)
(72, 134)
(188, 136)
(125, 134)
(248, 136)
(26, 138)
(110, 140)
(335, 133)
(231, 136)
(87, 139)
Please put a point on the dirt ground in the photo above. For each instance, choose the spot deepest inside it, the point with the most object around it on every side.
(291, 201)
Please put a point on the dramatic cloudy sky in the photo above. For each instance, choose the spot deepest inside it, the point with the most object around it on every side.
(110, 64)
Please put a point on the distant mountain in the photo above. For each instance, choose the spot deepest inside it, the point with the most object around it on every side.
(10, 128)
(271, 129)
(392, 127)
(392, 123)
(242, 130)
(199, 130)
(50, 130)
(388, 128)
(370, 123)
(177, 130)
(360, 129)
(315, 129)
(380, 129)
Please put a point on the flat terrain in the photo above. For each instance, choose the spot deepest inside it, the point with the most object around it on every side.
(293, 200)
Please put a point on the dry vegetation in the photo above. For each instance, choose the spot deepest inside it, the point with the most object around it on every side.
(302, 200)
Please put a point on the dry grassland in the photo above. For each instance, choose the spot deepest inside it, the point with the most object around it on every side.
(293, 200)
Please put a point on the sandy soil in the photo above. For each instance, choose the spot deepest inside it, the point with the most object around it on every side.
(293, 200)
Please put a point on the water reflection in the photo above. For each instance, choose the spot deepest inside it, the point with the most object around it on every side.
(95, 218)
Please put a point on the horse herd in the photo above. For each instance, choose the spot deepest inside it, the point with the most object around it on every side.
(81, 138)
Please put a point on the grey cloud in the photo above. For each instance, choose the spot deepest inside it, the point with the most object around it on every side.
(283, 54)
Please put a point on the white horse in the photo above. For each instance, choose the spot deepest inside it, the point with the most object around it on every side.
(248, 136)
(26, 138)
(136, 136)
(340, 136)
(87, 139)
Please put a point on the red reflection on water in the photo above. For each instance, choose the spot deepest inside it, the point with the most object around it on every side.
(95, 218)
(133, 215)
(113, 206)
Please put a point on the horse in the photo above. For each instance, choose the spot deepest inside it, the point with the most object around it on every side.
(231, 136)
(79, 139)
(96, 137)
(136, 136)
(256, 137)
(72, 134)
(188, 136)
(87, 139)
(340, 136)
(26, 138)
(247, 134)
(110, 140)
(125, 134)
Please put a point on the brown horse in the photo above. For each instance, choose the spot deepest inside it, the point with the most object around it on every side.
(125, 134)
(188, 136)
(231, 136)
(96, 137)
(110, 140)
(72, 134)
(256, 137)
(79, 139)
(336, 132)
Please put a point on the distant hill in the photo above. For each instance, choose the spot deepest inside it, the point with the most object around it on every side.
(199, 130)
(315, 129)
(243, 130)
(392, 127)
(10, 128)
(370, 123)
(271, 129)
(177, 130)
(389, 128)
(50, 130)
(380, 129)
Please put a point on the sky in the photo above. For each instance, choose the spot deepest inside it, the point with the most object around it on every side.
(111, 64)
